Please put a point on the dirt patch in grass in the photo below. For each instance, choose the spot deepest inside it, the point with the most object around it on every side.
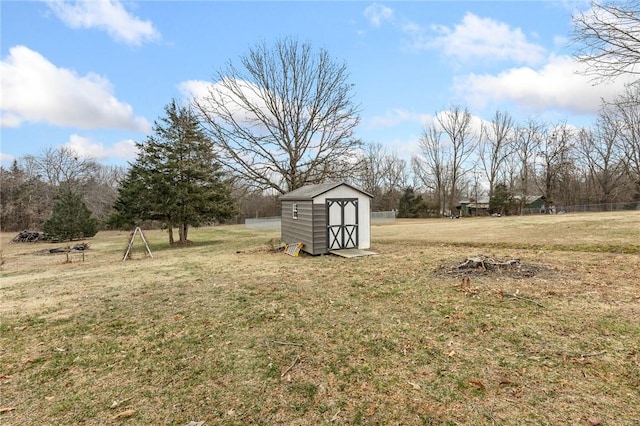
(482, 265)
(228, 332)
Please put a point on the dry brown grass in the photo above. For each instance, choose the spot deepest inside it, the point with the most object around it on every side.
(227, 332)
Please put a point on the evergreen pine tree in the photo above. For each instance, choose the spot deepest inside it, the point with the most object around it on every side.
(502, 201)
(410, 204)
(71, 218)
(176, 178)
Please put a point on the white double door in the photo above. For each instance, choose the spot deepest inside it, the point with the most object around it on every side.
(342, 227)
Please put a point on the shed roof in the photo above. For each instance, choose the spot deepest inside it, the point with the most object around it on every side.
(529, 198)
(481, 200)
(309, 192)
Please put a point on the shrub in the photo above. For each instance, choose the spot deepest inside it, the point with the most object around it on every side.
(71, 218)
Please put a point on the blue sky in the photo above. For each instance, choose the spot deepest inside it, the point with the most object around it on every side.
(94, 75)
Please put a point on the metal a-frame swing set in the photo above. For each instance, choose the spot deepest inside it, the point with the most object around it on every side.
(133, 236)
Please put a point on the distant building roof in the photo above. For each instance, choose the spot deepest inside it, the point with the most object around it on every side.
(481, 200)
(309, 192)
(529, 198)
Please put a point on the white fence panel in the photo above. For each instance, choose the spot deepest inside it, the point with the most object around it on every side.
(380, 218)
(263, 223)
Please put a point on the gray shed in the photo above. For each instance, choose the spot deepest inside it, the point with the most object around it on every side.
(325, 217)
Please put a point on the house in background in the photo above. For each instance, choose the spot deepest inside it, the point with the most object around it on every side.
(481, 207)
(472, 207)
(531, 204)
(327, 217)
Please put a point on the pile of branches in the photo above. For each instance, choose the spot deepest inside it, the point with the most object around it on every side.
(30, 237)
(80, 247)
(483, 265)
(487, 263)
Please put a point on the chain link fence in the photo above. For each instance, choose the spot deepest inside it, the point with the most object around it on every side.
(586, 208)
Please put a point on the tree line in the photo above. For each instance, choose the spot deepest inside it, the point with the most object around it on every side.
(284, 116)
(458, 158)
(30, 186)
(507, 162)
(563, 164)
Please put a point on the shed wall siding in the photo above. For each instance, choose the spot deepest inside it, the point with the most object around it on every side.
(320, 229)
(297, 230)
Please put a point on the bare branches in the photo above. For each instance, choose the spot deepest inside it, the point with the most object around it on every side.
(496, 146)
(608, 39)
(446, 145)
(383, 174)
(553, 159)
(433, 167)
(624, 115)
(286, 119)
(602, 156)
(60, 166)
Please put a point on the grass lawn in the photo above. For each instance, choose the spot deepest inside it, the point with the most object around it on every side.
(227, 331)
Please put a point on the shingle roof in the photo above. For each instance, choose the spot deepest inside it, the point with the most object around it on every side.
(529, 198)
(309, 192)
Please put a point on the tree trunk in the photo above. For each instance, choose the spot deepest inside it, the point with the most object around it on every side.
(182, 231)
(170, 231)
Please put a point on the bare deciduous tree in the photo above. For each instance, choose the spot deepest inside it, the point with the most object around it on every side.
(496, 146)
(602, 158)
(456, 124)
(552, 160)
(527, 140)
(625, 113)
(446, 146)
(382, 174)
(285, 119)
(101, 189)
(433, 167)
(60, 166)
(608, 38)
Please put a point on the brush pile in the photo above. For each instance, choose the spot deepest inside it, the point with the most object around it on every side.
(481, 265)
(30, 237)
(78, 248)
(486, 263)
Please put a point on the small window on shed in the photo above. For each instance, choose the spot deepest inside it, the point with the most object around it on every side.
(295, 210)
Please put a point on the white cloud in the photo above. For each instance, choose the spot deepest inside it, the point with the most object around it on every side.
(484, 38)
(8, 119)
(474, 38)
(397, 116)
(417, 38)
(87, 148)
(6, 158)
(202, 91)
(195, 89)
(33, 89)
(377, 14)
(556, 85)
(108, 15)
